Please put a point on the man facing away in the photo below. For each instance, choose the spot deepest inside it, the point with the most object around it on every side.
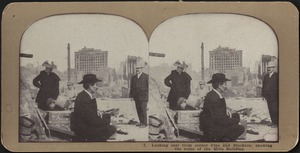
(139, 92)
(270, 92)
(87, 122)
(216, 122)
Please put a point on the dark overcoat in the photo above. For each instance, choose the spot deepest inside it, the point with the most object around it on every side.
(85, 121)
(180, 85)
(214, 120)
(270, 93)
(270, 87)
(49, 87)
(139, 88)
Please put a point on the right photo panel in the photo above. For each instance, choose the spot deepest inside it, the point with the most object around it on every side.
(213, 77)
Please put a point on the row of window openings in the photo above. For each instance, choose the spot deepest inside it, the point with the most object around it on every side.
(221, 55)
(80, 60)
(229, 64)
(88, 63)
(226, 59)
(90, 66)
(226, 62)
(91, 56)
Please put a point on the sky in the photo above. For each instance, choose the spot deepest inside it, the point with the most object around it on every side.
(47, 39)
(179, 38)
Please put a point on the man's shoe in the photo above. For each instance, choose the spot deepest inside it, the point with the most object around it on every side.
(139, 124)
(143, 126)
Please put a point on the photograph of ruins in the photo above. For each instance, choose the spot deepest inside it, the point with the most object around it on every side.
(147, 90)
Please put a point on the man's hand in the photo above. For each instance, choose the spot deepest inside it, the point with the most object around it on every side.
(229, 113)
(99, 113)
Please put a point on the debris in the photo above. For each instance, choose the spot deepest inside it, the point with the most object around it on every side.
(251, 131)
(132, 122)
(122, 131)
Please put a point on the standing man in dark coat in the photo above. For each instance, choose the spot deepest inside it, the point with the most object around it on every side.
(216, 122)
(48, 82)
(180, 84)
(270, 92)
(87, 122)
(139, 91)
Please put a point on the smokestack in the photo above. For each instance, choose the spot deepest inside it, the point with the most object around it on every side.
(202, 61)
(69, 65)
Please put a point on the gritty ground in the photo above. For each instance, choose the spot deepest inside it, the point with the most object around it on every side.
(128, 110)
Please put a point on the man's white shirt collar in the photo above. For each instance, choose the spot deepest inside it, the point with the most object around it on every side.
(270, 75)
(89, 93)
(218, 93)
(138, 75)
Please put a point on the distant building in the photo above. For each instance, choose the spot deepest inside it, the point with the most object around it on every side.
(88, 60)
(223, 59)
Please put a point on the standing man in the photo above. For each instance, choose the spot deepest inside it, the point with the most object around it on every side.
(71, 94)
(139, 91)
(270, 92)
(180, 84)
(87, 122)
(48, 82)
(216, 122)
(202, 91)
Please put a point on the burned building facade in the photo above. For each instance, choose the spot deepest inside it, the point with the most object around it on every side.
(88, 60)
(223, 59)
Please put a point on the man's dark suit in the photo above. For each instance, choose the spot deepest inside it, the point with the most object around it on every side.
(180, 85)
(49, 88)
(85, 121)
(139, 90)
(214, 121)
(270, 93)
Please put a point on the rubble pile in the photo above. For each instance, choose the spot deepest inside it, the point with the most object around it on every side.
(31, 126)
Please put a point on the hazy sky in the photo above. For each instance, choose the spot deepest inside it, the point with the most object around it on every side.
(180, 38)
(47, 39)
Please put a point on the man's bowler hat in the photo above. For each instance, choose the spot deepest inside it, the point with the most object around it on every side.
(218, 77)
(89, 78)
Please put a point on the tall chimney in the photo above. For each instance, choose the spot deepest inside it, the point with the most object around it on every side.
(69, 65)
(202, 62)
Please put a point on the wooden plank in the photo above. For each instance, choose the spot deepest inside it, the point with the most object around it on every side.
(188, 116)
(184, 128)
(171, 118)
(59, 130)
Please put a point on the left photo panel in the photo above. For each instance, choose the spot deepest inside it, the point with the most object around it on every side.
(83, 78)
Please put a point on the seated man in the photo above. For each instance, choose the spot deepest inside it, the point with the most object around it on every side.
(87, 123)
(51, 105)
(216, 122)
(182, 105)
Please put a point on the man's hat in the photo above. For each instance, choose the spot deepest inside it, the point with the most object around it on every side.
(52, 65)
(89, 78)
(218, 77)
(181, 100)
(271, 64)
(140, 64)
(179, 64)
